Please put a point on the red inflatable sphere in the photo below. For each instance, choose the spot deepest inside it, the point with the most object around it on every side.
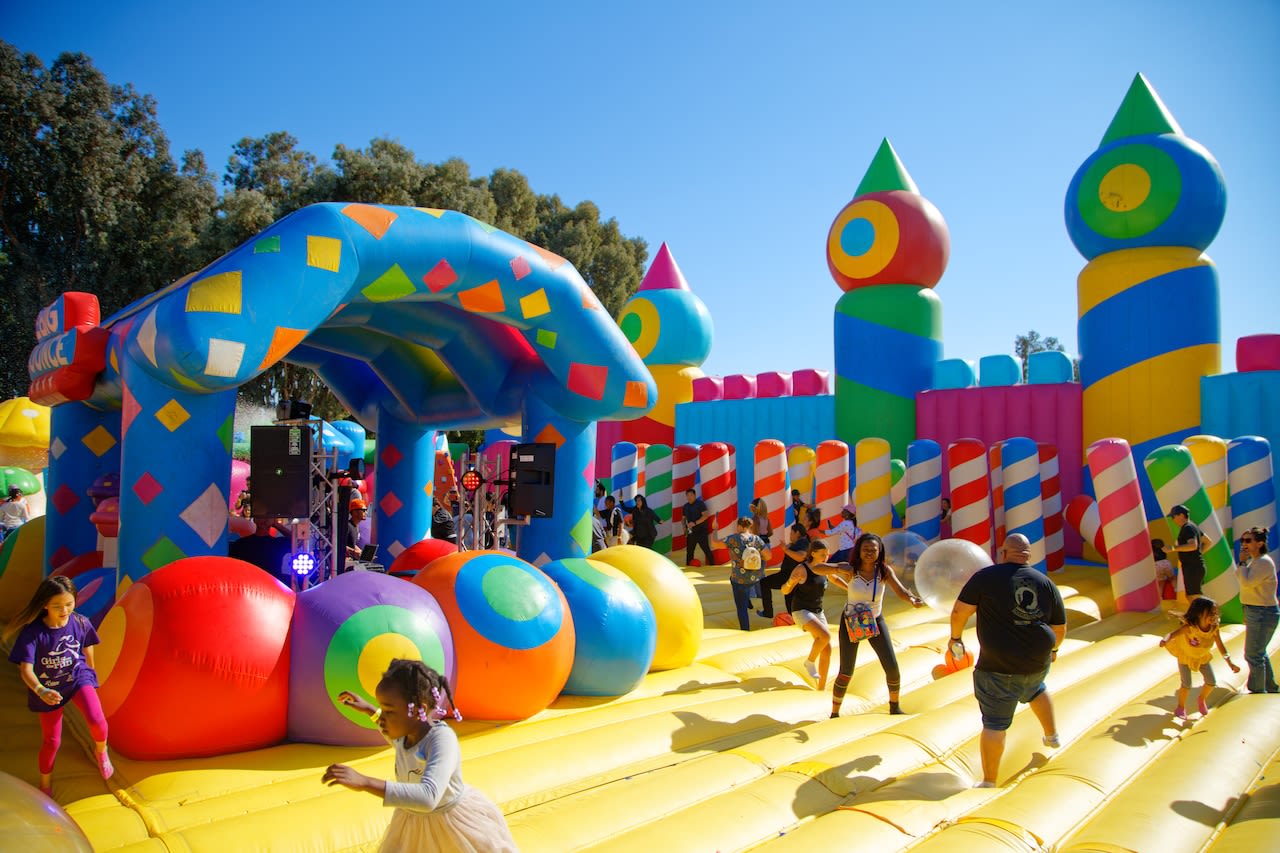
(417, 556)
(194, 661)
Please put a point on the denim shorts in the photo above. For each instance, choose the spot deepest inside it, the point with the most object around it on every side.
(999, 693)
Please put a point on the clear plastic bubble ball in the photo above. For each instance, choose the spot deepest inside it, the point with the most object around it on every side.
(943, 568)
(902, 550)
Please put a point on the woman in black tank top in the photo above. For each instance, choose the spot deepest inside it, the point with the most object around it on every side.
(807, 588)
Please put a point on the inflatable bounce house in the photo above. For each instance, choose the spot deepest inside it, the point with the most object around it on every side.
(608, 700)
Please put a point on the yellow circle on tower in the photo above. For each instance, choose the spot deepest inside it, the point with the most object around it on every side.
(883, 243)
(1124, 188)
(378, 653)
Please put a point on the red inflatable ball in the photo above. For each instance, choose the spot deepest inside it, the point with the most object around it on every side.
(512, 632)
(194, 661)
(419, 555)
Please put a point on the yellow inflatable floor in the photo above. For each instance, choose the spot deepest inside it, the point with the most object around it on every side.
(736, 752)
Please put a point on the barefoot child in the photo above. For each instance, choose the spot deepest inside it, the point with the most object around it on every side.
(54, 654)
(435, 809)
(1192, 645)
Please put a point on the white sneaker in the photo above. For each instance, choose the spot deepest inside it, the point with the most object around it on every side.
(1051, 741)
(985, 784)
(811, 667)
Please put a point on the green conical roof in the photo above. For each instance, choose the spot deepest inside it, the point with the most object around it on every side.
(886, 172)
(1142, 112)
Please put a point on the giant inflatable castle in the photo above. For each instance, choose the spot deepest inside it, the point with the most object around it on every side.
(423, 320)
(1085, 466)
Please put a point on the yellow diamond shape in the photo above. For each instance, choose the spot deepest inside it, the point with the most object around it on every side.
(172, 415)
(99, 441)
(535, 304)
(324, 252)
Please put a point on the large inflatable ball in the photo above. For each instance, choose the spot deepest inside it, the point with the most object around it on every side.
(194, 661)
(345, 633)
(943, 568)
(902, 550)
(419, 555)
(616, 629)
(33, 823)
(21, 567)
(675, 602)
(511, 629)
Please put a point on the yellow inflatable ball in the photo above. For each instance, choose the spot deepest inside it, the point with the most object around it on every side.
(21, 567)
(675, 602)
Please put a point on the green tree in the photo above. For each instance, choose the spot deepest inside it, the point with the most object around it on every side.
(610, 263)
(90, 198)
(1031, 342)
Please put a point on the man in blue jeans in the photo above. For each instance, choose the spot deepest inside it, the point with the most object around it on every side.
(1021, 623)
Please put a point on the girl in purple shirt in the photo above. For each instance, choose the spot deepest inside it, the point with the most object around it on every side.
(54, 654)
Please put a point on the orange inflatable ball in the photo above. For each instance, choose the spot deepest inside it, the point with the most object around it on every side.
(194, 661)
(950, 663)
(419, 555)
(513, 637)
(940, 671)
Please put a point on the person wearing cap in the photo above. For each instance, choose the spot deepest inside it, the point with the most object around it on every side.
(13, 512)
(848, 532)
(1188, 548)
(359, 509)
(1021, 623)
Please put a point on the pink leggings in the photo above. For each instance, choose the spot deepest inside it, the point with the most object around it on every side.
(86, 699)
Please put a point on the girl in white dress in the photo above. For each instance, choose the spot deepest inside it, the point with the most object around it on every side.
(434, 809)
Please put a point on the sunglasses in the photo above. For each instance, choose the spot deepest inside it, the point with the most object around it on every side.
(1248, 541)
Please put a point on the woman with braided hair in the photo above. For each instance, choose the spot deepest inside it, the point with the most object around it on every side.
(434, 808)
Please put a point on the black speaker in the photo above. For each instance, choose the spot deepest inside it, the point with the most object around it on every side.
(280, 468)
(355, 468)
(531, 469)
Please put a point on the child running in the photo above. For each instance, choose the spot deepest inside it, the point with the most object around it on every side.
(434, 809)
(54, 654)
(807, 589)
(1192, 645)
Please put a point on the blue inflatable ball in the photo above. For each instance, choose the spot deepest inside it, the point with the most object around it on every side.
(617, 630)
(344, 634)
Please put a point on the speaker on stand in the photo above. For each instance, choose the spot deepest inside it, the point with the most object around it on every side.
(280, 467)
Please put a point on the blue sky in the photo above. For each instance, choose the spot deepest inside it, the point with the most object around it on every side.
(735, 132)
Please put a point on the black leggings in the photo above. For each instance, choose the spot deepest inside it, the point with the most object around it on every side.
(770, 583)
(883, 646)
(699, 536)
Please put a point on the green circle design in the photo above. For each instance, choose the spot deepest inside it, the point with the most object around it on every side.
(513, 593)
(1166, 189)
(631, 325)
(342, 659)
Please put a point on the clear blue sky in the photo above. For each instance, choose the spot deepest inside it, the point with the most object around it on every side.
(735, 132)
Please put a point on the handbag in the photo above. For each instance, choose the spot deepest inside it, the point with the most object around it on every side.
(859, 617)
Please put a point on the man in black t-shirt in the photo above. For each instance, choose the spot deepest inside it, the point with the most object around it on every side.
(1188, 548)
(697, 525)
(1021, 623)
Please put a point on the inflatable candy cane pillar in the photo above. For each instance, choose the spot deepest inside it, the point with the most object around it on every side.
(1023, 510)
(1124, 525)
(1253, 491)
(657, 491)
(970, 494)
(624, 473)
(924, 489)
(684, 474)
(996, 468)
(1174, 477)
(801, 461)
(1082, 514)
(831, 481)
(771, 486)
(1210, 456)
(871, 489)
(1055, 553)
(717, 491)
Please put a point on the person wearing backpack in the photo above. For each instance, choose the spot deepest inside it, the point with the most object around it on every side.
(748, 554)
(1190, 547)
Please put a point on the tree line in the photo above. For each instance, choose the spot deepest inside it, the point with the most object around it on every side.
(92, 199)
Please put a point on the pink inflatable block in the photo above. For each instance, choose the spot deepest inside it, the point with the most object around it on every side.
(810, 383)
(707, 388)
(773, 384)
(1258, 352)
(739, 387)
(1045, 413)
